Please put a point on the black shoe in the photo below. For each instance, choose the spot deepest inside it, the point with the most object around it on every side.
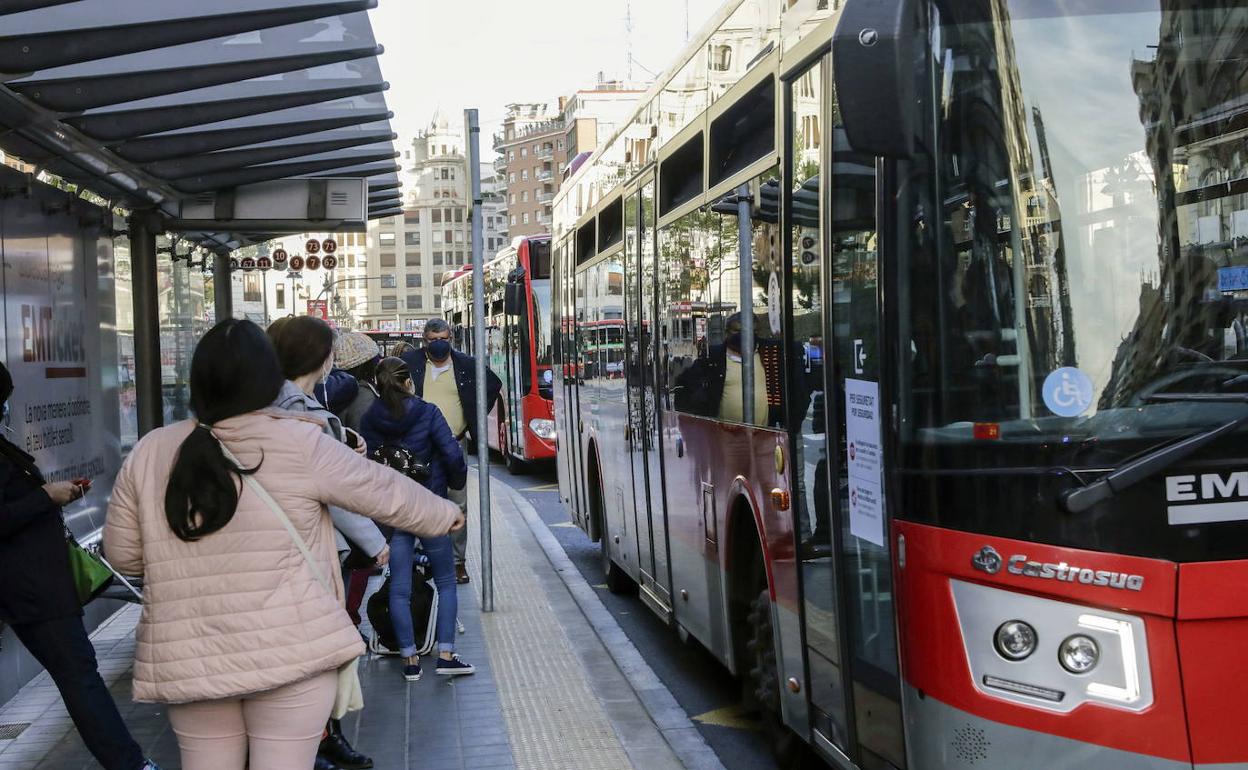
(335, 747)
(461, 574)
(325, 763)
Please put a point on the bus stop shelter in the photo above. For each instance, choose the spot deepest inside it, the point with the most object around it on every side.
(226, 123)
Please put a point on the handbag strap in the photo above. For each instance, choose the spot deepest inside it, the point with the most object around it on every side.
(267, 499)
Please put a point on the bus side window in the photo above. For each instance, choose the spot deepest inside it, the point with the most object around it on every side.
(767, 270)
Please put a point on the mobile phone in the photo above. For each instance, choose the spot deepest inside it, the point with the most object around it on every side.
(351, 438)
(84, 483)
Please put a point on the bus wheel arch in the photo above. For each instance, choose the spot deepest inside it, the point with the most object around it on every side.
(617, 580)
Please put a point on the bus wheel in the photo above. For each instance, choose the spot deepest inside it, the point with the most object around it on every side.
(515, 466)
(617, 580)
(764, 677)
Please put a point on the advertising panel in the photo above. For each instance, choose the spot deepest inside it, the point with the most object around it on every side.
(64, 410)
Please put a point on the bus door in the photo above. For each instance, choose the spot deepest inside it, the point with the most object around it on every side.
(518, 359)
(644, 386)
(642, 373)
(846, 575)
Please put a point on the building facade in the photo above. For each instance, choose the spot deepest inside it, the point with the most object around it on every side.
(532, 158)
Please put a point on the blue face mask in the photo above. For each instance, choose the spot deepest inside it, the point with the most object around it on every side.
(439, 349)
(4, 413)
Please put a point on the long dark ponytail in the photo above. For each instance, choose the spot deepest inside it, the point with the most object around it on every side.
(392, 378)
(234, 371)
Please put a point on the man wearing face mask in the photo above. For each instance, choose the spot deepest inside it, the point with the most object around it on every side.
(447, 379)
(39, 601)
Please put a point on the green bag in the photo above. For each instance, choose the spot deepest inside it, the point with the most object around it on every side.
(91, 577)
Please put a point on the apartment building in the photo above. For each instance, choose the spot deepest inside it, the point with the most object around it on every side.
(532, 158)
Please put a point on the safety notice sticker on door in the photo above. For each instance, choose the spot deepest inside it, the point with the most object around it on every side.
(862, 442)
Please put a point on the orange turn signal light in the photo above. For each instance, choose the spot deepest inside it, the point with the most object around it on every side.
(780, 499)
(986, 431)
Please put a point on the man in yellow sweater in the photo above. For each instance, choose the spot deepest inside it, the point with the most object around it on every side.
(447, 379)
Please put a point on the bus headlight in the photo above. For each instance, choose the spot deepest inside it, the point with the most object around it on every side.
(542, 428)
(1015, 640)
(1079, 654)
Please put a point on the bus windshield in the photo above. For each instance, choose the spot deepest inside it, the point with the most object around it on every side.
(1077, 257)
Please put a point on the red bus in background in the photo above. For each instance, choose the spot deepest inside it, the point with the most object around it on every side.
(518, 345)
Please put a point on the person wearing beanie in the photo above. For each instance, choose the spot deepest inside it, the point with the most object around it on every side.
(356, 355)
(40, 601)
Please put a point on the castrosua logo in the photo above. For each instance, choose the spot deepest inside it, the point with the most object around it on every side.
(988, 561)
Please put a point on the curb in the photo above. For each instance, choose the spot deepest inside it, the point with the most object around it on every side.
(677, 729)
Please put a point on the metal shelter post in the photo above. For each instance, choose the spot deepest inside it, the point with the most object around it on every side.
(143, 227)
(222, 287)
(473, 126)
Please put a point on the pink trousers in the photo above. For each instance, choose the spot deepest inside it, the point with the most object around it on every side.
(279, 729)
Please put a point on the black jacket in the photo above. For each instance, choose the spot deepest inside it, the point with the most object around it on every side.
(35, 582)
(465, 367)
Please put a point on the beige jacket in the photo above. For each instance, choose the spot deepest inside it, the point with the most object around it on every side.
(239, 611)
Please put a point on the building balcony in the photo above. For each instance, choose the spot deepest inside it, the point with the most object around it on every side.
(545, 197)
(543, 218)
(500, 164)
(543, 175)
(545, 153)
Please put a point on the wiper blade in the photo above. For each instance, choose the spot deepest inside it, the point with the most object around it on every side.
(1139, 469)
(1215, 398)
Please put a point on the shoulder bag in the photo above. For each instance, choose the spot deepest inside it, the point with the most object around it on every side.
(350, 695)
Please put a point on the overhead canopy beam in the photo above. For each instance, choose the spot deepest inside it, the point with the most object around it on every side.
(167, 147)
(45, 50)
(206, 182)
(85, 93)
(181, 168)
(128, 124)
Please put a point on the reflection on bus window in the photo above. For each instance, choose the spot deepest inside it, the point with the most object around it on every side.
(703, 252)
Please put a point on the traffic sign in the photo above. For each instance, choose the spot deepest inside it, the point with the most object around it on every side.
(264, 263)
(313, 262)
(233, 263)
(296, 263)
(280, 256)
(312, 246)
(329, 245)
(330, 261)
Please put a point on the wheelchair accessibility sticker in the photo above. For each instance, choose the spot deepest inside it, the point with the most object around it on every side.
(1068, 392)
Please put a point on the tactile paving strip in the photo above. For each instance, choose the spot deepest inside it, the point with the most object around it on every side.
(553, 717)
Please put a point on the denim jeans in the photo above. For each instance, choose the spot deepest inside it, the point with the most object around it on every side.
(61, 646)
(442, 562)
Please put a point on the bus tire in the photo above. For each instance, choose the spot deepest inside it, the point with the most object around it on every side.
(790, 752)
(515, 466)
(617, 580)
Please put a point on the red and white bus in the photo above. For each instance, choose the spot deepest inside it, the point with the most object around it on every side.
(935, 319)
(518, 345)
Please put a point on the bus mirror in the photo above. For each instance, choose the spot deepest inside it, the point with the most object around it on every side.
(514, 301)
(874, 55)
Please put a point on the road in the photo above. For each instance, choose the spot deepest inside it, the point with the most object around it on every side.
(699, 683)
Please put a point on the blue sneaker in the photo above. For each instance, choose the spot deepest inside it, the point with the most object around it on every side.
(454, 667)
(412, 673)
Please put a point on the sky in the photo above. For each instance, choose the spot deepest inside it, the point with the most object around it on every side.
(456, 54)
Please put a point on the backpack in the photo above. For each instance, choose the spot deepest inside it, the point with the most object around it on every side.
(424, 608)
(404, 461)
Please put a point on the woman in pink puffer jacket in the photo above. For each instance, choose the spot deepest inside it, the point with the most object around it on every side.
(237, 634)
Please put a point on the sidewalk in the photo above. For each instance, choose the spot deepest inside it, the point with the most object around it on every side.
(547, 694)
